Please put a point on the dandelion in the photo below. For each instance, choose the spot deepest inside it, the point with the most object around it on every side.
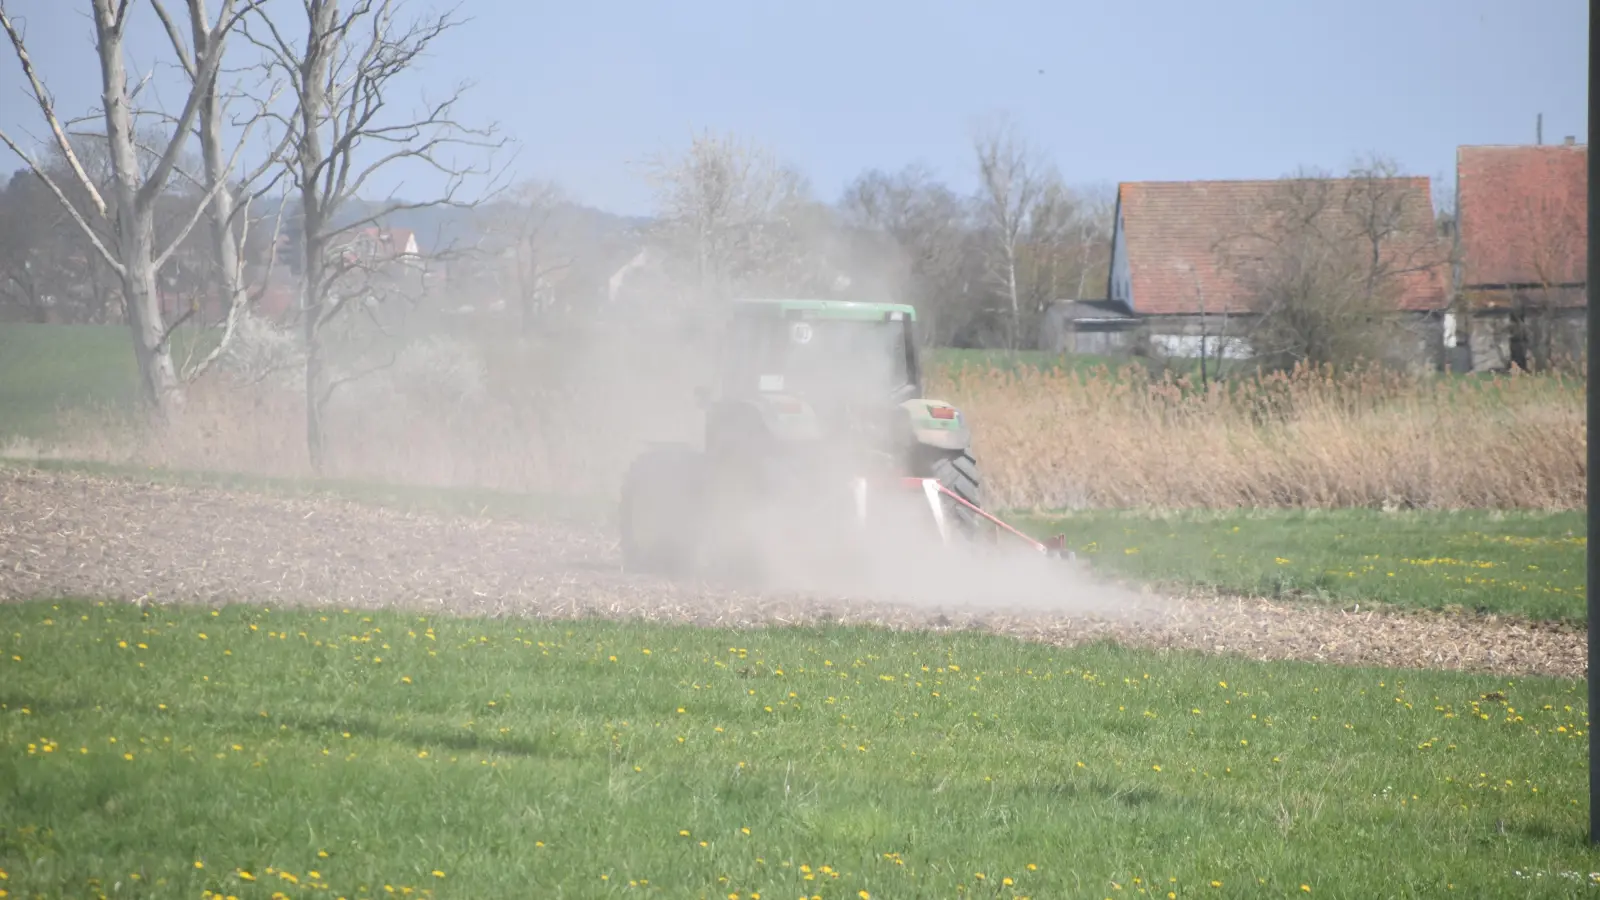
(1216, 884)
(1305, 888)
(199, 865)
(438, 873)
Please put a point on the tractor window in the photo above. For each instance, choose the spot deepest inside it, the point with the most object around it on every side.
(818, 355)
(840, 354)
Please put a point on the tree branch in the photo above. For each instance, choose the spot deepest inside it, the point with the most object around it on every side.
(47, 107)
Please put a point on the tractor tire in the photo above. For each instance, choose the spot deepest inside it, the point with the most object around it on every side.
(959, 473)
(660, 515)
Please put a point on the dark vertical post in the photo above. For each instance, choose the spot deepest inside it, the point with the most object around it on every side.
(1591, 589)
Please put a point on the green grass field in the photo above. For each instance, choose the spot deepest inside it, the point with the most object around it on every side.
(1521, 564)
(258, 753)
(45, 369)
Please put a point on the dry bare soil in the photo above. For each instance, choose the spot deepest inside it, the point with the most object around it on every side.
(80, 535)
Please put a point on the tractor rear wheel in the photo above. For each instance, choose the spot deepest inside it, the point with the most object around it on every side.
(662, 496)
(958, 472)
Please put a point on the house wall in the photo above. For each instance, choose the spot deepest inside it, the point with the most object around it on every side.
(1121, 287)
(1488, 343)
(1116, 341)
(1185, 336)
(1417, 341)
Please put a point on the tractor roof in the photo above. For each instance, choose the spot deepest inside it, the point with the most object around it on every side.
(830, 309)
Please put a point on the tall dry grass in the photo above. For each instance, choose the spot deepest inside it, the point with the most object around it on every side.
(1311, 438)
(568, 421)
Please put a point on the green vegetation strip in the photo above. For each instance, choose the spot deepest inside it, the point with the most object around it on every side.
(1528, 565)
(336, 753)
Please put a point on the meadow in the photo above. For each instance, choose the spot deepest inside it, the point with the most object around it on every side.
(254, 752)
(1528, 565)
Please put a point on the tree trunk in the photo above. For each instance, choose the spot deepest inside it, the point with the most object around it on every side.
(1016, 301)
(157, 376)
(228, 279)
(135, 240)
(316, 376)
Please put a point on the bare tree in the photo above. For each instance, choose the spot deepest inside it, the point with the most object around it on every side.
(1326, 261)
(132, 252)
(230, 197)
(928, 228)
(728, 213)
(341, 134)
(1012, 184)
(524, 233)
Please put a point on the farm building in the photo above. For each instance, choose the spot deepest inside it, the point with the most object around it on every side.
(1186, 258)
(1521, 246)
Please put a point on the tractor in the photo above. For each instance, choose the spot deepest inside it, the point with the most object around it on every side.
(816, 404)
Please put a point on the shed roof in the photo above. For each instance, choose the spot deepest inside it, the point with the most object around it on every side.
(1523, 214)
(1176, 235)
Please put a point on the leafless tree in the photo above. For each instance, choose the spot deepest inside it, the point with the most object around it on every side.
(1325, 263)
(728, 212)
(1013, 182)
(231, 196)
(132, 252)
(342, 132)
(524, 237)
(927, 226)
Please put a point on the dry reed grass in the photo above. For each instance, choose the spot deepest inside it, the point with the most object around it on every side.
(1046, 438)
(1310, 438)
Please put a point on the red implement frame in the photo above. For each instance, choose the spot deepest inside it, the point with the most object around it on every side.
(1056, 546)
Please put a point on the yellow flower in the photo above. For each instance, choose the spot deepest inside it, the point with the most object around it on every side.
(1216, 884)
(864, 895)
(199, 865)
(1306, 888)
(437, 873)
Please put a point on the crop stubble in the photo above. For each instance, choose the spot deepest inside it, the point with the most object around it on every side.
(69, 534)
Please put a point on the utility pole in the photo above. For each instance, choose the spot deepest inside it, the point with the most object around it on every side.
(1538, 128)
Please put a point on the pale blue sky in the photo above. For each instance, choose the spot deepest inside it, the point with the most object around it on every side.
(1144, 89)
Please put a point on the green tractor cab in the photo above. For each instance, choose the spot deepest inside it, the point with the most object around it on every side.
(810, 396)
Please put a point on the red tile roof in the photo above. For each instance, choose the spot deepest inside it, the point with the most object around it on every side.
(1178, 235)
(1523, 213)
